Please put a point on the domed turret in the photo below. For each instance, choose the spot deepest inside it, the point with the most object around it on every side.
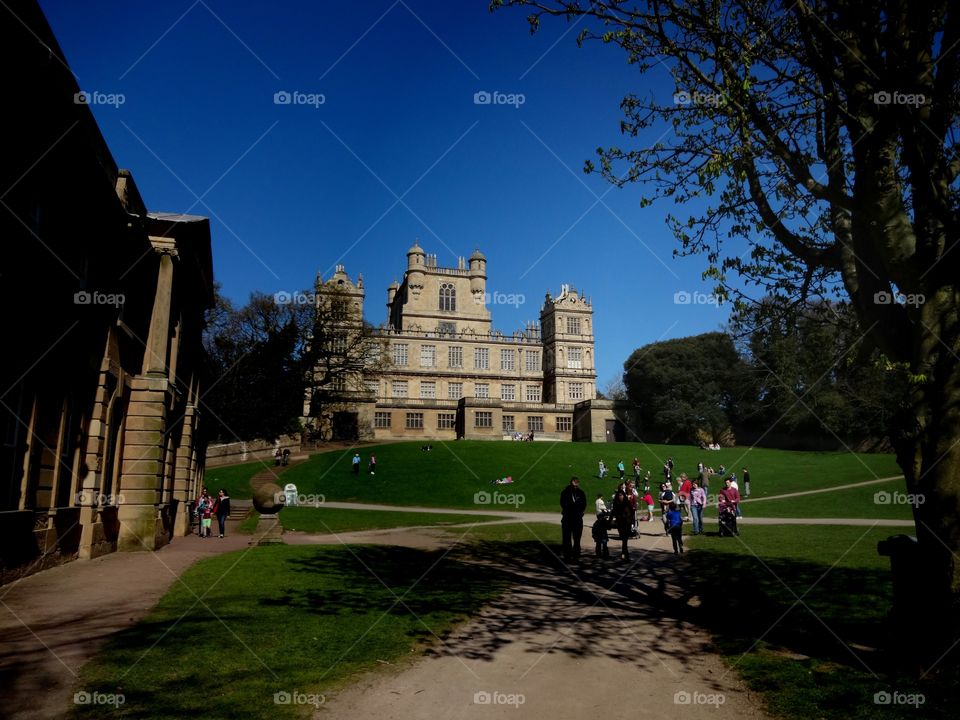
(415, 255)
(392, 291)
(478, 274)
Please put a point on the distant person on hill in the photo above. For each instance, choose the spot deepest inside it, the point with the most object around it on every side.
(746, 483)
(372, 465)
(356, 463)
(573, 503)
(636, 471)
(621, 469)
(602, 469)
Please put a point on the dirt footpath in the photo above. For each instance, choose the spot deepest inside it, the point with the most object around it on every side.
(604, 639)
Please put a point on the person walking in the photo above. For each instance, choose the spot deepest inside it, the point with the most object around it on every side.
(621, 469)
(746, 483)
(372, 465)
(573, 503)
(356, 463)
(698, 500)
(622, 516)
(221, 508)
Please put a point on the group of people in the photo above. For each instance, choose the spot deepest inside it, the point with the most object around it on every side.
(522, 437)
(281, 457)
(371, 464)
(685, 504)
(206, 508)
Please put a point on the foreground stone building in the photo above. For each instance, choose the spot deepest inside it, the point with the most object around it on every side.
(104, 304)
(448, 374)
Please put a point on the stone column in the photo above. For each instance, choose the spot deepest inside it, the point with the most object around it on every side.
(144, 451)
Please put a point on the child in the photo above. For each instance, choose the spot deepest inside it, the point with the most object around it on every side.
(600, 536)
(675, 526)
(648, 499)
(601, 505)
(206, 517)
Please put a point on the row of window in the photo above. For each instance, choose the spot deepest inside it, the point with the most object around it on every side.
(508, 391)
(483, 419)
(481, 357)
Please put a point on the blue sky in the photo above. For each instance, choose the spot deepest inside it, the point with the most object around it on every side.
(397, 150)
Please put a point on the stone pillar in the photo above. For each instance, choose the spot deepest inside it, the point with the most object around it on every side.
(144, 452)
(182, 490)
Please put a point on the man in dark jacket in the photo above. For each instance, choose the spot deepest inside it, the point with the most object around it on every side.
(573, 503)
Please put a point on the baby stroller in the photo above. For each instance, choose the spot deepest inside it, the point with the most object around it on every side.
(728, 521)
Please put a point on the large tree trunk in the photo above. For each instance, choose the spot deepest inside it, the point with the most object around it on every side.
(927, 589)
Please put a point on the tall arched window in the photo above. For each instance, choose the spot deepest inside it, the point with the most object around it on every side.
(448, 297)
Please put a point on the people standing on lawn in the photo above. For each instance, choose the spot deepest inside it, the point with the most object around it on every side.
(622, 517)
(372, 465)
(636, 471)
(746, 483)
(221, 508)
(601, 469)
(674, 523)
(667, 472)
(698, 501)
(621, 469)
(356, 463)
(573, 503)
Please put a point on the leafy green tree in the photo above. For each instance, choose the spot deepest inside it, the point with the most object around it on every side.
(685, 388)
(821, 136)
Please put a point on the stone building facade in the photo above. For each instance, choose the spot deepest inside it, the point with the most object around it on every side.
(104, 304)
(448, 374)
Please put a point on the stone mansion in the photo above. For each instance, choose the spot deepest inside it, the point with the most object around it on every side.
(448, 374)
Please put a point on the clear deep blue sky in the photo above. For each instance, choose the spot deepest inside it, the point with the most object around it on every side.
(295, 189)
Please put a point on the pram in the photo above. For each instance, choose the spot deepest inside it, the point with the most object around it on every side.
(728, 521)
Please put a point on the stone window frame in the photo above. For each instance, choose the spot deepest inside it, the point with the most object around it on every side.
(483, 419)
(414, 421)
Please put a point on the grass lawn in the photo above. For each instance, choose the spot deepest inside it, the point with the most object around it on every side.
(454, 472)
(335, 520)
(860, 502)
(799, 612)
(289, 619)
(235, 478)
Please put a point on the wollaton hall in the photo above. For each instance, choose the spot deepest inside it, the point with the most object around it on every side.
(447, 374)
